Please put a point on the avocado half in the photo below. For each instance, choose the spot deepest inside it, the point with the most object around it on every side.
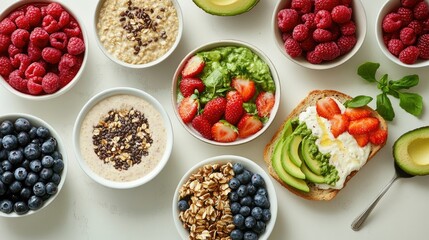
(226, 7)
(411, 151)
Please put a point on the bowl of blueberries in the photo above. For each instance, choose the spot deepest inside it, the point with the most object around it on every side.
(33, 164)
(225, 196)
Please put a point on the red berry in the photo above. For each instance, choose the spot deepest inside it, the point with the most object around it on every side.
(341, 14)
(409, 3)
(416, 26)
(50, 24)
(5, 67)
(323, 19)
(75, 46)
(12, 50)
(249, 125)
(339, 124)
(423, 46)
(72, 29)
(346, 44)
(35, 69)
(327, 107)
(21, 61)
(308, 20)
(188, 108)
(395, 46)
(308, 44)
(292, 48)
(391, 23)
(300, 32)
(421, 11)
(64, 19)
(58, 40)
(348, 28)
(34, 52)
(39, 37)
(203, 126)
(4, 43)
(287, 19)
(55, 10)
(188, 85)
(234, 107)
(34, 15)
(7, 26)
(18, 82)
(325, 4)
(34, 85)
(16, 14)
(20, 38)
(194, 66)
(327, 51)
(301, 6)
(224, 132)
(313, 58)
(322, 35)
(378, 137)
(406, 15)
(22, 22)
(265, 103)
(362, 139)
(357, 113)
(407, 36)
(214, 109)
(245, 87)
(67, 62)
(363, 125)
(409, 55)
(50, 82)
(51, 55)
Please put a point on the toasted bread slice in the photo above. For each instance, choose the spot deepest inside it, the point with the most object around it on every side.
(315, 193)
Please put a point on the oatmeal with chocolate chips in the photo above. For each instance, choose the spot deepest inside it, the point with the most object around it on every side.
(137, 31)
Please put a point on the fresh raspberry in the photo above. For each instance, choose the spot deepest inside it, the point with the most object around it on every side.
(323, 19)
(21, 61)
(5, 67)
(391, 23)
(35, 70)
(425, 25)
(51, 82)
(64, 19)
(287, 19)
(406, 15)
(409, 55)
(7, 26)
(18, 82)
(15, 14)
(346, 3)
(308, 44)
(34, 15)
(20, 38)
(34, 85)
(55, 10)
(341, 14)
(409, 3)
(58, 40)
(348, 28)
(75, 46)
(50, 24)
(67, 62)
(292, 48)
(300, 32)
(13, 50)
(4, 42)
(72, 29)
(407, 36)
(335, 30)
(346, 44)
(22, 22)
(35, 53)
(51, 55)
(327, 51)
(308, 20)
(423, 46)
(286, 35)
(325, 5)
(322, 35)
(313, 57)
(388, 36)
(301, 6)
(43, 63)
(416, 26)
(395, 46)
(39, 37)
(43, 11)
(421, 10)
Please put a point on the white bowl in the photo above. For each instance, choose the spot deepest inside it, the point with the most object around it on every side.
(143, 65)
(35, 121)
(223, 43)
(248, 164)
(78, 74)
(387, 7)
(139, 179)
(359, 17)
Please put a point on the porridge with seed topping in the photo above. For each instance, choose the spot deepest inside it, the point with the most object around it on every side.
(122, 138)
(137, 31)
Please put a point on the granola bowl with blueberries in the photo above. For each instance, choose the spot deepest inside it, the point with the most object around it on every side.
(225, 197)
(138, 33)
(43, 49)
(33, 164)
(122, 138)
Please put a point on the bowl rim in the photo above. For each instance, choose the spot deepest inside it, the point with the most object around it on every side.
(249, 164)
(224, 43)
(36, 121)
(144, 65)
(329, 64)
(100, 97)
(78, 75)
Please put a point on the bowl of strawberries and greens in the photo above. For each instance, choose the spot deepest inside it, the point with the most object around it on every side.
(226, 92)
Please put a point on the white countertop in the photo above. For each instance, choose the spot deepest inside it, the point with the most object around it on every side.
(86, 210)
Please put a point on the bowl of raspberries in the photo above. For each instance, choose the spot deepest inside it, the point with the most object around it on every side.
(319, 34)
(43, 49)
(402, 32)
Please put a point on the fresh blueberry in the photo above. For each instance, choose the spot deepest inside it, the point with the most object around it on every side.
(20, 174)
(262, 191)
(233, 196)
(32, 133)
(235, 207)
(236, 234)
(6, 206)
(3, 152)
(15, 187)
(245, 211)
(266, 215)
(35, 202)
(7, 177)
(250, 222)
(257, 213)
(259, 227)
(47, 161)
(31, 179)
(22, 125)
(6, 165)
(58, 165)
(37, 141)
(36, 166)
(25, 193)
(237, 168)
(42, 132)
(242, 191)
(249, 235)
(57, 155)
(183, 205)
(32, 151)
(234, 183)
(23, 138)
(56, 178)
(261, 201)
(39, 189)
(51, 188)
(15, 157)
(238, 220)
(9, 142)
(26, 164)
(46, 173)
(49, 145)
(257, 180)
(20, 207)
(2, 188)
(246, 201)
(6, 127)
(244, 177)
(251, 189)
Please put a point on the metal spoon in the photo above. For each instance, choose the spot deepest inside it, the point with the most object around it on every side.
(399, 173)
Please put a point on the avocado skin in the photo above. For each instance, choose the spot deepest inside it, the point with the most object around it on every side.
(401, 151)
(203, 4)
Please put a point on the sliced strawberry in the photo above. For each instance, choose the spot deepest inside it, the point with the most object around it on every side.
(339, 124)
(357, 113)
(234, 107)
(327, 107)
(363, 125)
(194, 66)
(378, 137)
(203, 126)
(188, 85)
(222, 131)
(362, 139)
(245, 87)
(265, 103)
(214, 109)
(249, 125)
(188, 108)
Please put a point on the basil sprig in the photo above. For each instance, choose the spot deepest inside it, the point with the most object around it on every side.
(410, 102)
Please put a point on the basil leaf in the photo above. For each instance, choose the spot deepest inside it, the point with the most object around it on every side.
(384, 107)
(405, 82)
(367, 71)
(358, 101)
(382, 84)
(411, 102)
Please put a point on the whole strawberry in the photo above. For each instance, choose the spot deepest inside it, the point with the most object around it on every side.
(234, 107)
(214, 109)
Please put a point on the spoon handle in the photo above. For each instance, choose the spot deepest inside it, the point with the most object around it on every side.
(357, 223)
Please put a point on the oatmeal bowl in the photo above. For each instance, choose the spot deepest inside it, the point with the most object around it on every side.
(138, 33)
(43, 49)
(225, 197)
(122, 138)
